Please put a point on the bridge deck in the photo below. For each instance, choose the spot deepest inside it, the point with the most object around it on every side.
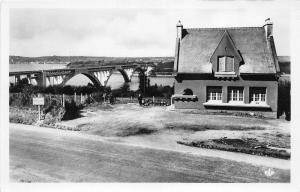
(100, 68)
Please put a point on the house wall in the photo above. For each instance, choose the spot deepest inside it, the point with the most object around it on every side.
(199, 88)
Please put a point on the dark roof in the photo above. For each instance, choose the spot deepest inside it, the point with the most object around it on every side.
(198, 45)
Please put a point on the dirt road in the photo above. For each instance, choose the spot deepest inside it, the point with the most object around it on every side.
(49, 155)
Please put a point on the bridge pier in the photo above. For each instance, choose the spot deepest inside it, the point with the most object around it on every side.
(43, 79)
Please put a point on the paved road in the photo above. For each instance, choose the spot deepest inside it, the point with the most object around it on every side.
(49, 155)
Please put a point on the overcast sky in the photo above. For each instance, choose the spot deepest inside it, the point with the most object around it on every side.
(126, 32)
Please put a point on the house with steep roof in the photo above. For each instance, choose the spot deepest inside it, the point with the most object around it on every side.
(226, 69)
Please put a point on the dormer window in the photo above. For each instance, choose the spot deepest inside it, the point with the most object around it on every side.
(225, 67)
(225, 64)
(226, 59)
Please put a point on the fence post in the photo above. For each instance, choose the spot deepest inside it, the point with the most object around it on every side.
(63, 100)
(91, 99)
(75, 97)
(39, 108)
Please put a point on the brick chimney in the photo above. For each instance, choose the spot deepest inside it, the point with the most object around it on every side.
(179, 27)
(268, 27)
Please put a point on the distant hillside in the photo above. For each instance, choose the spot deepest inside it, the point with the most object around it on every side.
(70, 59)
(164, 65)
(48, 59)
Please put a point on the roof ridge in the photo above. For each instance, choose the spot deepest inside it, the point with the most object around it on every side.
(223, 28)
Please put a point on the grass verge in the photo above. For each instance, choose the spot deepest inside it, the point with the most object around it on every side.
(121, 130)
(244, 145)
(205, 127)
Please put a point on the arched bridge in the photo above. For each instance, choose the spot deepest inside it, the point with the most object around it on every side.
(98, 75)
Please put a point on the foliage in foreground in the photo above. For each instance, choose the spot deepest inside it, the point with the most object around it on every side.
(23, 116)
(52, 114)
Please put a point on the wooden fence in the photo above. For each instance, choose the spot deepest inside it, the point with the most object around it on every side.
(148, 101)
(92, 98)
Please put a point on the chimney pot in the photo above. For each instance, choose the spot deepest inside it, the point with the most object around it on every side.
(268, 27)
(179, 27)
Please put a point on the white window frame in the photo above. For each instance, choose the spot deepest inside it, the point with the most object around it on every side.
(214, 97)
(237, 95)
(262, 97)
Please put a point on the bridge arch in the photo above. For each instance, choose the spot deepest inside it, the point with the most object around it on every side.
(127, 77)
(139, 69)
(124, 74)
(91, 77)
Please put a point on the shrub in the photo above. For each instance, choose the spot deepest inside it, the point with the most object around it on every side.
(72, 111)
(26, 96)
(54, 115)
(284, 97)
(56, 89)
(23, 116)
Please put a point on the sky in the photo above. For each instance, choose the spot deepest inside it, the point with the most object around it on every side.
(127, 32)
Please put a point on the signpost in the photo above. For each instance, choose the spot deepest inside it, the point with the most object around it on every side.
(38, 101)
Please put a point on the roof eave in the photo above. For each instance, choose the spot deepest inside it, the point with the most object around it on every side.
(176, 59)
(274, 54)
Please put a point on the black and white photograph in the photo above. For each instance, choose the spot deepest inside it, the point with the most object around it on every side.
(149, 93)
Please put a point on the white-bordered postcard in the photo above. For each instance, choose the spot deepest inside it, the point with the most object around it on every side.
(172, 95)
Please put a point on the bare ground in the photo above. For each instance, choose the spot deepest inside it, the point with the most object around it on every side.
(161, 128)
(47, 155)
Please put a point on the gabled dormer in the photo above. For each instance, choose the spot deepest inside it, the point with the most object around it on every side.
(226, 58)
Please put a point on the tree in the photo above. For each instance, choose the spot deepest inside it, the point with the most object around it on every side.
(23, 82)
(26, 96)
(143, 83)
(125, 89)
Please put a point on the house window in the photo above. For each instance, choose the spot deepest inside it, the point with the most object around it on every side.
(235, 94)
(257, 95)
(214, 94)
(225, 64)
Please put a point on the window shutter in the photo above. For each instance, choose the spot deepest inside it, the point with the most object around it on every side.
(229, 64)
(221, 61)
